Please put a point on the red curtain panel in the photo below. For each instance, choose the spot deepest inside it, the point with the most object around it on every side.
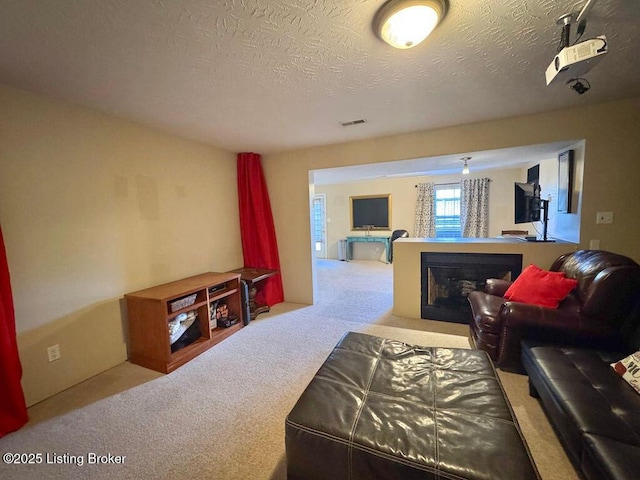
(259, 244)
(13, 409)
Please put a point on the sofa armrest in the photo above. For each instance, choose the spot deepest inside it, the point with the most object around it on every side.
(496, 286)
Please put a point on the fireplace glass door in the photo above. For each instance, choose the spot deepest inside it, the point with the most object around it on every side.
(448, 278)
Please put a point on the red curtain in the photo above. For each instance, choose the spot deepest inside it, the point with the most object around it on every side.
(259, 245)
(13, 409)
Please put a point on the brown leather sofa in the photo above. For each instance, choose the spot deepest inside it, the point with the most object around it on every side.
(592, 315)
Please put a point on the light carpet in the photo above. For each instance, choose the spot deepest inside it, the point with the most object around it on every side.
(221, 415)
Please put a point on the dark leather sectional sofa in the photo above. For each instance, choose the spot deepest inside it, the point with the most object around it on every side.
(567, 353)
(595, 413)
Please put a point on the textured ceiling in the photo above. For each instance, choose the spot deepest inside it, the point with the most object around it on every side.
(252, 75)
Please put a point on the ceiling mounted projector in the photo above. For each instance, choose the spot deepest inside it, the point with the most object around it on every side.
(575, 61)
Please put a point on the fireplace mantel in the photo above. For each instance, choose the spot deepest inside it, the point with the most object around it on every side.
(407, 259)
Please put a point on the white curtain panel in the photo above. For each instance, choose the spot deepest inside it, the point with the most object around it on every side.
(474, 207)
(425, 220)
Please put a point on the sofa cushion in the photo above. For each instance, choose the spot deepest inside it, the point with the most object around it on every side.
(540, 287)
(604, 458)
(591, 393)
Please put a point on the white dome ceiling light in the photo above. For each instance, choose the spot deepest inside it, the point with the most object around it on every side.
(405, 23)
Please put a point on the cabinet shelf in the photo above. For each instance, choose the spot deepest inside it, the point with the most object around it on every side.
(195, 306)
(223, 294)
(149, 313)
(219, 334)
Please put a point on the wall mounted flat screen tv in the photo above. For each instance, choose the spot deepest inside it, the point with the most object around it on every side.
(526, 202)
(371, 212)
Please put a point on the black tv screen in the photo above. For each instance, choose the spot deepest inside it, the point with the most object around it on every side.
(526, 202)
(371, 212)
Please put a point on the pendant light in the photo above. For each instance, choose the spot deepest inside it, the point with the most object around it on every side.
(465, 168)
(405, 23)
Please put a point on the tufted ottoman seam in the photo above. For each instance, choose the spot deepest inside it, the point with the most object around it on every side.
(362, 404)
(435, 425)
(458, 412)
(363, 448)
(318, 432)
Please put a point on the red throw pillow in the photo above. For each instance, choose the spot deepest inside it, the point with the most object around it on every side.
(540, 287)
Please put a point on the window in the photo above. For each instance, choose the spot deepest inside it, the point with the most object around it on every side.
(448, 211)
(319, 225)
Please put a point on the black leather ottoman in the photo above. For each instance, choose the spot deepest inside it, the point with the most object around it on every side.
(380, 408)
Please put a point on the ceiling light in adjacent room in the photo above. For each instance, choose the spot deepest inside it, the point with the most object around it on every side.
(406, 23)
(465, 168)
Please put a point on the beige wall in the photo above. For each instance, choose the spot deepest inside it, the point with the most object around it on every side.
(610, 172)
(564, 225)
(93, 207)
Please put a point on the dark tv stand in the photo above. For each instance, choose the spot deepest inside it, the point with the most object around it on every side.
(544, 206)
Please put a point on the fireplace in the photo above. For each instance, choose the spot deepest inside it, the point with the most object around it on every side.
(448, 278)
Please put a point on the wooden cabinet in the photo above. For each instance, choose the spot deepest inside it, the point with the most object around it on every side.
(151, 310)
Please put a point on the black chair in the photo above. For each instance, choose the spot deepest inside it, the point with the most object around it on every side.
(396, 234)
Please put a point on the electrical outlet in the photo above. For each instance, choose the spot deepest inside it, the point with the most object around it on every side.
(604, 217)
(54, 353)
(594, 245)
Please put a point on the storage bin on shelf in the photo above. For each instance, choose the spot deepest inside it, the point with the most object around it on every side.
(183, 302)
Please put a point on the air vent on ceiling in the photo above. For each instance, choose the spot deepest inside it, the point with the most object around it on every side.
(353, 122)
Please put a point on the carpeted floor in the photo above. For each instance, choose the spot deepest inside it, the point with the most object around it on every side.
(222, 414)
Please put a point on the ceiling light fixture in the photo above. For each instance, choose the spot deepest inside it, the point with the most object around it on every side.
(465, 168)
(405, 23)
